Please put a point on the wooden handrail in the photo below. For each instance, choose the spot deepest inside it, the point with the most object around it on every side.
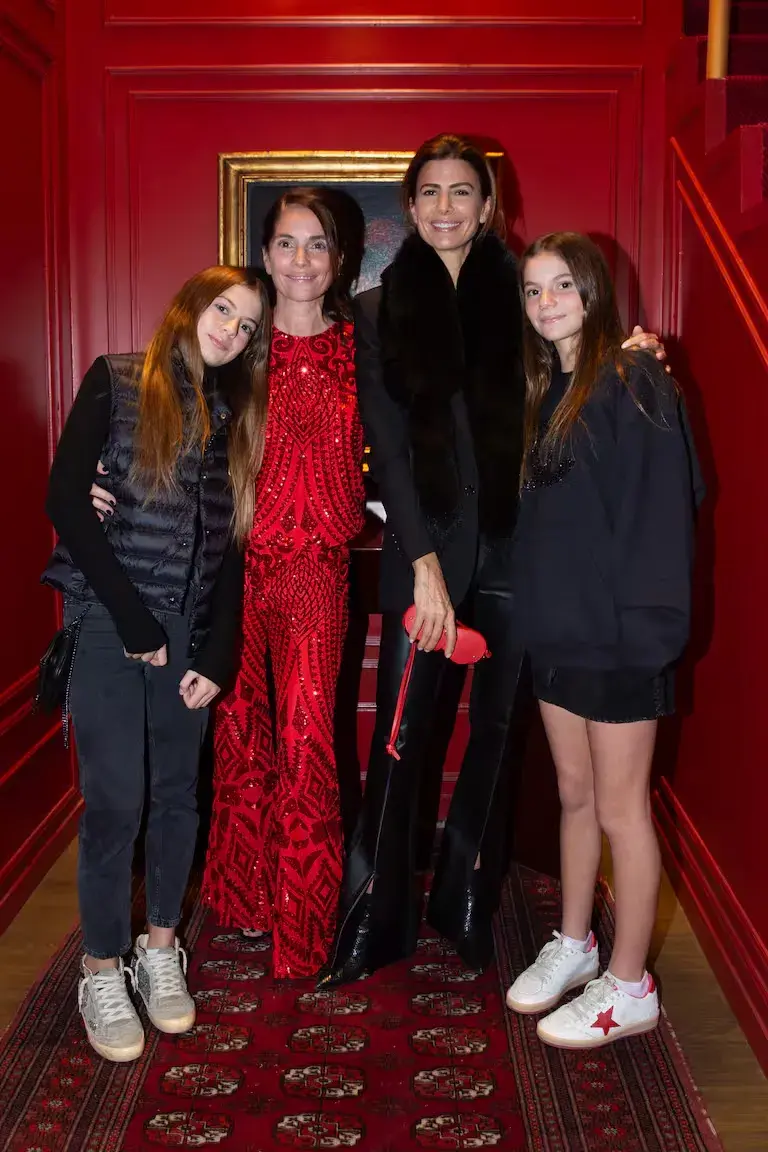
(717, 38)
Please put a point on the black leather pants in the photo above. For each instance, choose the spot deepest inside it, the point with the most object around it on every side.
(463, 899)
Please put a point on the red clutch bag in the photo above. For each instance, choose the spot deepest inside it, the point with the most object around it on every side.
(470, 647)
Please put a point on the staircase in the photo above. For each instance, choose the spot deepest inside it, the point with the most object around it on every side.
(716, 311)
(748, 17)
(740, 100)
(722, 125)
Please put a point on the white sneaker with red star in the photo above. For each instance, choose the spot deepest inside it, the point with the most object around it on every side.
(601, 1014)
(557, 969)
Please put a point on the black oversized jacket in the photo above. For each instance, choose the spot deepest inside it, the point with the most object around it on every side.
(604, 543)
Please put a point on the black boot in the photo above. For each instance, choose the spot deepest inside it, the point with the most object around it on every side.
(381, 927)
(462, 916)
(349, 955)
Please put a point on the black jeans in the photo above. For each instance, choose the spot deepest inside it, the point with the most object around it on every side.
(384, 843)
(128, 716)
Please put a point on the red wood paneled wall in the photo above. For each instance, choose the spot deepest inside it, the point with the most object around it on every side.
(112, 201)
(571, 90)
(38, 796)
(713, 798)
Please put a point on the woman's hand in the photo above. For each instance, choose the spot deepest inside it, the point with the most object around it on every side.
(197, 691)
(157, 659)
(646, 342)
(434, 611)
(103, 501)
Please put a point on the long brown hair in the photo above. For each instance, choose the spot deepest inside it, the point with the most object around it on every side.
(343, 224)
(448, 146)
(167, 429)
(599, 348)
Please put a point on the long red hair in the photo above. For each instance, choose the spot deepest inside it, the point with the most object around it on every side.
(167, 429)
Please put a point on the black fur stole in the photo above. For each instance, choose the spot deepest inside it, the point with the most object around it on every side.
(437, 340)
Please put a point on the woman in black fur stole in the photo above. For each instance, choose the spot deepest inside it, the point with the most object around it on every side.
(441, 391)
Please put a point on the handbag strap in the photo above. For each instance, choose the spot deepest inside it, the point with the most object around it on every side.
(397, 718)
(75, 628)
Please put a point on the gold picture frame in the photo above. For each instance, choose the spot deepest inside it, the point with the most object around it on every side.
(242, 173)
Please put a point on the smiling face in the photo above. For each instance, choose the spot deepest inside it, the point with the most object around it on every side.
(226, 326)
(298, 257)
(448, 207)
(553, 304)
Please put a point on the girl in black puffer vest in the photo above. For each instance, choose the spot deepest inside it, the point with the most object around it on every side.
(156, 593)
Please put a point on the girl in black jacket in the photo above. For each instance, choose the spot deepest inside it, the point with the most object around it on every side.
(603, 552)
(155, 595)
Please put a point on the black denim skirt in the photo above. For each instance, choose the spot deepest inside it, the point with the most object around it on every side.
(620, 696)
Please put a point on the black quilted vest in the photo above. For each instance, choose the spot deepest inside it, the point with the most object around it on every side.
(155, 542)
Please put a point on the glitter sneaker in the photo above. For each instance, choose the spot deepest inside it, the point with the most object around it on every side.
(558, 968)
(601, 1014)
(110, 1019)
(159, 979)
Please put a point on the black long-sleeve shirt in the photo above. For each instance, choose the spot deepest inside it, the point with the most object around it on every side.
(69, 507)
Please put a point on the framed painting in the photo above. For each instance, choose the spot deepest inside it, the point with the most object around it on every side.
(249, 182)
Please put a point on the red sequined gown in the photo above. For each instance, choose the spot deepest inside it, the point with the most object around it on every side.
(275, 849)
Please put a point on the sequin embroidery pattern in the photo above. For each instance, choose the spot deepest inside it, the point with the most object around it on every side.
(274, 852)
(544, 471)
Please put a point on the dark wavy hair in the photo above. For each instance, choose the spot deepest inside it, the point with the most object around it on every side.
(447, 146)
(343, 224)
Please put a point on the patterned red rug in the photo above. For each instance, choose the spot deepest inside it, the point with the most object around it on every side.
(421, 1056)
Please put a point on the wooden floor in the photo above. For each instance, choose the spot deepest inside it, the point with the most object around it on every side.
(729, 1078)
(732, 1085)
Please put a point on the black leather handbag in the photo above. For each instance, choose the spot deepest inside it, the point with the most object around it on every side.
(55, 673)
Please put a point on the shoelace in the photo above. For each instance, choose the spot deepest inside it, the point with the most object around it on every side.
(167, 973)
(550, 955)
(595, 997)
(111, 993)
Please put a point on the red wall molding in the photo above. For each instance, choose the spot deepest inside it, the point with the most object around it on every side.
(711, 810)
(35, 370)
(20, 875)
(719, 776)
(728, 937)
(747, 295)
(605, 13)
(615, 40)
(8, 694)
(33, 23)
(737, 296)
(18, 41)
(610, 100)
(37, 776)
(31, 747)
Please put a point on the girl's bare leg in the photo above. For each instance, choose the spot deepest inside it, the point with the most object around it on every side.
(622, 755)
(580, 838)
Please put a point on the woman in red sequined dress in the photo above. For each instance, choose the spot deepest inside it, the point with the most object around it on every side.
(275, 850)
